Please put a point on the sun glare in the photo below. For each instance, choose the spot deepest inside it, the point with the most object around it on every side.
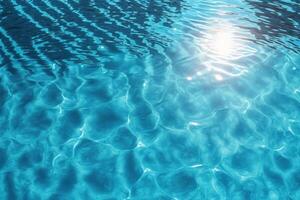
(223, 43)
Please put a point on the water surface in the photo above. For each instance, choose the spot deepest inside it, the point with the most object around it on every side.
(148, 99)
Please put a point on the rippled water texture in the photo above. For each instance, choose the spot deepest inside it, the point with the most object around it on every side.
(150, 99)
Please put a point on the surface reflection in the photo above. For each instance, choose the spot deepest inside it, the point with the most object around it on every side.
(277, 23)
(149, 99)
(82, 31)
(221, 43)
(221, 49)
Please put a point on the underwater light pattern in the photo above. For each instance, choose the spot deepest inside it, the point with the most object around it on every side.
(149, 99)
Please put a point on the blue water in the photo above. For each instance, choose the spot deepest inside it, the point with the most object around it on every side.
(149, 99)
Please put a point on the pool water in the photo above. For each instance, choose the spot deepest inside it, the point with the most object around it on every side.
(149, 99)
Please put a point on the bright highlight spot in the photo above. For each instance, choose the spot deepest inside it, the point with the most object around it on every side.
(189, 78)
(222, 43)
(194, 123)
(199, 74)
(218, 77)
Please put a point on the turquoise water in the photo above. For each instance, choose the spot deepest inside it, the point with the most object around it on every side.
(148, 99)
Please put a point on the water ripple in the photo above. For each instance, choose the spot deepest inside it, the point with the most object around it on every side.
(147, 99)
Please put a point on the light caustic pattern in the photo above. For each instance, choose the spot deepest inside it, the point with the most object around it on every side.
(147, 99)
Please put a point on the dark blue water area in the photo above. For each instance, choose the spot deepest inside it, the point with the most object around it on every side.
(149, 99)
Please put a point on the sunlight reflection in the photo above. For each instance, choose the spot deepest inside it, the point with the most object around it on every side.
(221, 48)
(225, 42)
(218, 77)
(189, 78)
(221, 42)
